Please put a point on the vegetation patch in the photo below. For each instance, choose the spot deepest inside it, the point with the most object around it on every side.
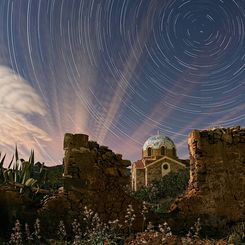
(161, 193)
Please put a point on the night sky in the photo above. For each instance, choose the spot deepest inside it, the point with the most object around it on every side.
(119, 71)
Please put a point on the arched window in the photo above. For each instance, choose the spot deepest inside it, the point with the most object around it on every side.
(174, 152)
(149, 151)
(162, 150)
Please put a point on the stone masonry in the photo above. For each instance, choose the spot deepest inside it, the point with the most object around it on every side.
(216, 191)
(86, 164)
(94, 177)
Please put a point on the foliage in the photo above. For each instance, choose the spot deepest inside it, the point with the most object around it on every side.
(154, 235)
(29, 174)
(19, 238)
(94, 232)
(194, 233)
(16, 236)
(168, 187)
(237, 235)
(1, 168)
(144, 213)
(129, 218)
(20, 171)
(53, 177)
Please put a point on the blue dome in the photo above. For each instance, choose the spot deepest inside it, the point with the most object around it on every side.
(155, 142)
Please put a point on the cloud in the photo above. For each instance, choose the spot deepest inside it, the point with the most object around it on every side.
(17, 95)
(18, 100)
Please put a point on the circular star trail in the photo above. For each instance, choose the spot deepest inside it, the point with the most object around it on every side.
(120, 70)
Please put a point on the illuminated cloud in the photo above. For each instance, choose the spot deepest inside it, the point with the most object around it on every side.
(17, 95)
(17, 101)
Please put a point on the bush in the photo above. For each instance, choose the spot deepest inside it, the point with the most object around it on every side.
(168, 187)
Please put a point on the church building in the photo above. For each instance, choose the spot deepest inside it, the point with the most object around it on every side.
(159, 158)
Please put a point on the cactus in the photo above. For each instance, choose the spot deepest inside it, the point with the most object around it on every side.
(1, 168)
(20, 173)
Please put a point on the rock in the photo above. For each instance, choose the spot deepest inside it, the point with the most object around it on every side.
(216, 191)
(108, 156)
(75, 141)
(103, 148)
(125, 163)
(111, 172)
(227, 138)
(118, 157)
(14, 206)
(93, 145)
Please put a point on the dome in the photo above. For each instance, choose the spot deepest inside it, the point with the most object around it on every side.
(155, 142)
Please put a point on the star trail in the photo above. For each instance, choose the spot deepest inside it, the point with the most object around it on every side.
(119, 71)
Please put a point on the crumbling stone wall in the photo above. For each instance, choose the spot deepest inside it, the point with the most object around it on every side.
(87, 165)
(216, 191)
(95, 177)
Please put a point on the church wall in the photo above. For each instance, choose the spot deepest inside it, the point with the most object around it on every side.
(133, 180)
(154, 172)
(153, 162)
(140, 178)
(157, 152)
(175, 167)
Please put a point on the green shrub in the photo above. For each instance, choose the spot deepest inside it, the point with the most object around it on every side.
(25, 175)
(237, 235)
(168, 187)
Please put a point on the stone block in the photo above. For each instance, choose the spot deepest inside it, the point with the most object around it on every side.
(103, 148)
(124, 172)
(227, 138)
(125, 163)
(108, 156)
(111, 172)
(75, 141)
(242, 139)
(195, 134)
(119, 156)
(93, 144)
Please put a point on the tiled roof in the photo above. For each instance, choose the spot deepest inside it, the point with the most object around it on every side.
(157, 141)
(139, 164)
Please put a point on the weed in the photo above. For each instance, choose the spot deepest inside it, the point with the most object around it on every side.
(62, 235)
(129, 218)
(144, 212)
(16, 236)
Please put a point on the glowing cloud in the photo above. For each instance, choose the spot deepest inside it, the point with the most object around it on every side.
(17, 101)
(17, 95)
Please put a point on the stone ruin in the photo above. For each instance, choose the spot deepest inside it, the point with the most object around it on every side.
(89, 166)
(216, 192)
(94, 177)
